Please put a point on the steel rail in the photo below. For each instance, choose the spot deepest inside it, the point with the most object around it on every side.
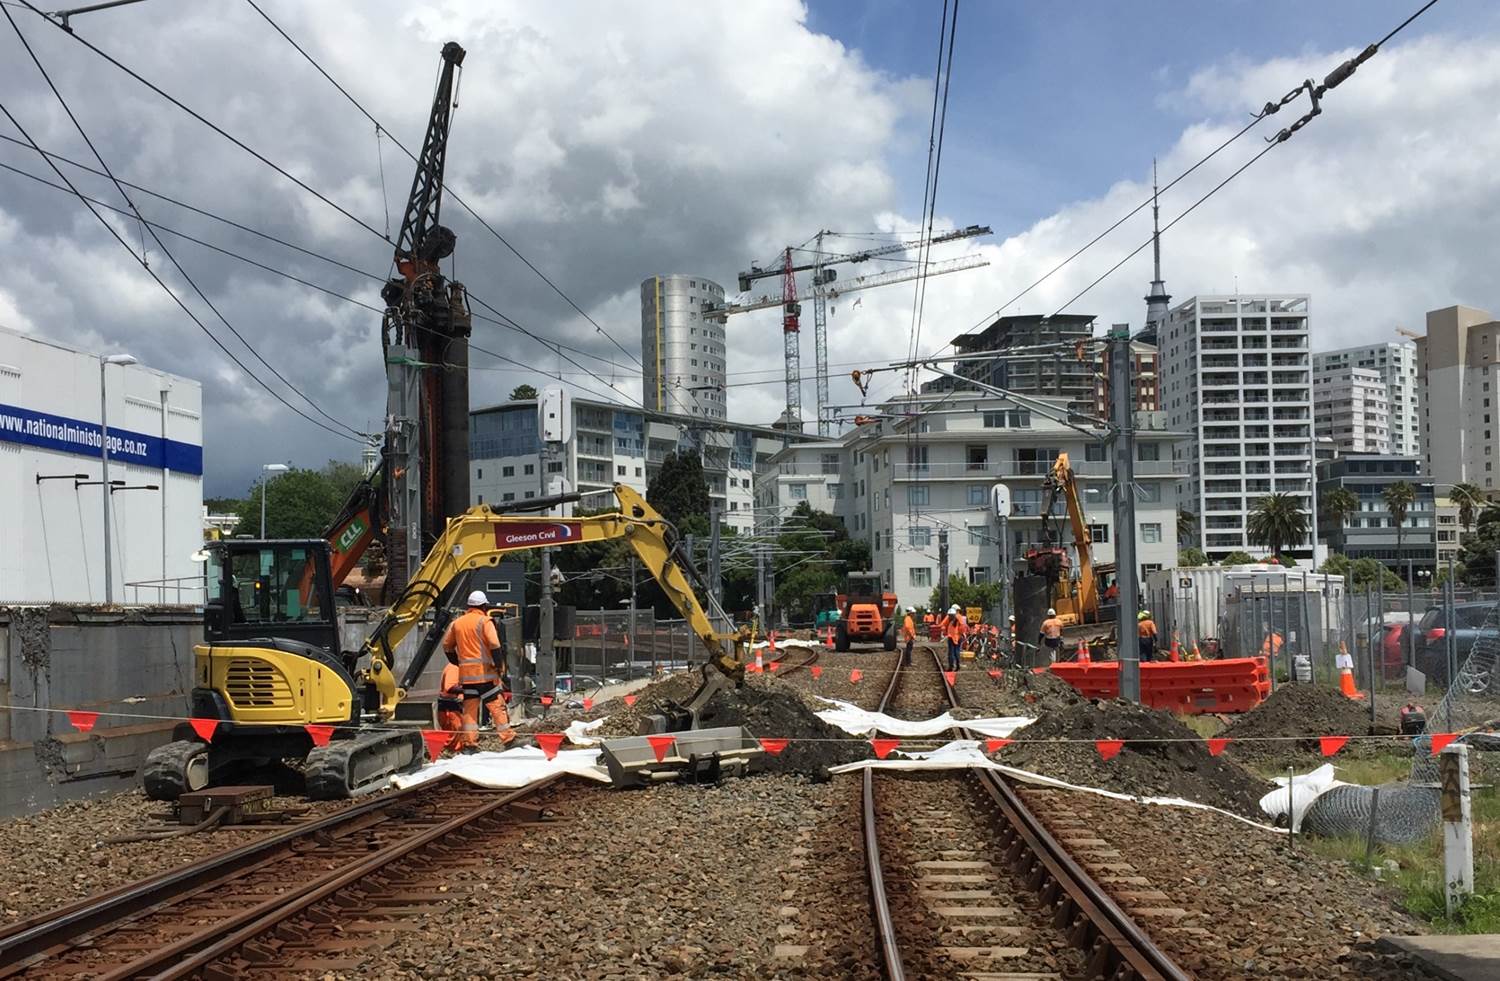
(43, 932)
(1118, 946)
(193, 953)
(885, 926)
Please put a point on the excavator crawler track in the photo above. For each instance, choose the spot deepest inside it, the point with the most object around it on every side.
(175, 768)
(363, 764)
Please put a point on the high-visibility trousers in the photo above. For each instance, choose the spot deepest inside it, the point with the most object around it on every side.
(491, 699)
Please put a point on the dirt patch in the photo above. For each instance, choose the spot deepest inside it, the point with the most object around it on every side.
(1153, 769)
(1296, 710)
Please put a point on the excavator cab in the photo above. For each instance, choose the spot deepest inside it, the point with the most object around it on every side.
(264, 589)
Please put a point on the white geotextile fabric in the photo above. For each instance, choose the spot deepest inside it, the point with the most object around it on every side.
(1306, 787)
(509, 768)
(578, 731)
(963, 753)
(860, 722)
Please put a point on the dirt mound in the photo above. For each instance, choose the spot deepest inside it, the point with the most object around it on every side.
(1152, 769)
(1297, 710)
(764, 707)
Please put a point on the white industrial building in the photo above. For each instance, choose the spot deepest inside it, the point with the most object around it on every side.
(682, 352)
(898, 489)
(53, 486)
(1396, 366)
(1351, 410)
(610, 444)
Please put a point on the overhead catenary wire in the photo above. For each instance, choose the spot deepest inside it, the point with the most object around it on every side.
(450, 191)
(348, 432)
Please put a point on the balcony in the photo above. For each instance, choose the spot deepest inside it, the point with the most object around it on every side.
(967, 471)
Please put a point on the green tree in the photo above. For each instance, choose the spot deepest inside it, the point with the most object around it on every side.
(680, 492)
(523, 393)
(1190, 558)
(1399, 497)
(1360, 573)
(1338, 503)
(1470, 500)
(1477, 555)
(1187, 526)
(1276, 522)
(1238, 558)
(964, 594)
(299, 503)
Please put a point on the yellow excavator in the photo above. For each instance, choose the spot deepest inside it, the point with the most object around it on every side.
(1076, 600)
(272, 663)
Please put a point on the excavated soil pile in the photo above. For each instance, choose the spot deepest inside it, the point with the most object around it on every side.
(767, 709)
(1297, 710)
(1150, 769)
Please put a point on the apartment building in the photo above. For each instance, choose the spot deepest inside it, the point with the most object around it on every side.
(1144, 375)
(900, 482)
(1370, 532)
(1396, 366)
(1236, 373)
(1458, 373)
(1046, 363)
(1351, 410)
(611, 444)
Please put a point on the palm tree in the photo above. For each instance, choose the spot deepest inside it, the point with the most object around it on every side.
(1398, 498)
(1338, 503)
(1276, 521)
(1469, 499)
(1187, 527)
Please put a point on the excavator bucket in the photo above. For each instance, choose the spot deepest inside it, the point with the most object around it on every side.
(696, 756)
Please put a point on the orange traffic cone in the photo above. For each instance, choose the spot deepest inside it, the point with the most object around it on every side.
(1175, 654)
(828, 639)
(1195, 654)
(1346, 672)
(1083, 656)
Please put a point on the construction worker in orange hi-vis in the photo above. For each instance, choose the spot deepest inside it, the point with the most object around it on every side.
(1051, 635)
(472, 643)
(908, 636)
(1271, 646)
(955, 626)
(450, 706)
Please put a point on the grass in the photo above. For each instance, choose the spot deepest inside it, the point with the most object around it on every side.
(1418, 878)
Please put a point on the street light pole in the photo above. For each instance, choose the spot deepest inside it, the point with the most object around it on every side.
(105, 361)
(267, 468)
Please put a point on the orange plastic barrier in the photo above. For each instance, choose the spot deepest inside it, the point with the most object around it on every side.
(1185, 687)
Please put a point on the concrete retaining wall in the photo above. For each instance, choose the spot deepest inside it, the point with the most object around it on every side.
(135, 662)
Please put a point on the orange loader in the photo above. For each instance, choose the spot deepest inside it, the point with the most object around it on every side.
(866, 612)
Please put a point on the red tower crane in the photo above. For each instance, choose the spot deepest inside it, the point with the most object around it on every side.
(791, 312)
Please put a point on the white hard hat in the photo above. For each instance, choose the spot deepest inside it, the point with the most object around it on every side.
(477, 598)
(953, 608)
(911, 609)
(1013, 618)
(1051, 612)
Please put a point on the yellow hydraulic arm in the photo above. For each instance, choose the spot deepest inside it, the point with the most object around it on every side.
(479, 538)
(1088, 589)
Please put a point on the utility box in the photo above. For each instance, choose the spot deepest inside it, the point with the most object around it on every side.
(554, 415)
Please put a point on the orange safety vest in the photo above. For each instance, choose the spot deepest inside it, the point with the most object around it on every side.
(449, 685)
(1272, 644)
(1145, 628)
(1052, 628)
(908, 629)
(953, 627)
(472, 637)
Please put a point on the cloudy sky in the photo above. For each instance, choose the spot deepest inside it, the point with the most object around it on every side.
(608, 146)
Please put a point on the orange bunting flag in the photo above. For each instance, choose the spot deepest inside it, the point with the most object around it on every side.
(1109, 748)
(1331, 744)
(205, 728)
(1439, 740)
(660, 744)
(883, 747)
(629, 700)
(773, 746)
(950, 677)
(774, 665)
(83, 721)
(435, 739)
(991, 745)
(546, 701)
(588, 704)
(817, 671)
(994, 673)
(1216, 746)
(549, 742)
(855, 675)
(320, 734)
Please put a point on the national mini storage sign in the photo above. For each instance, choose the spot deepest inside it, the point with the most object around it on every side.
(52, 432)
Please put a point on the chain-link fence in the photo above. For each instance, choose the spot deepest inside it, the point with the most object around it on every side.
(605, 649)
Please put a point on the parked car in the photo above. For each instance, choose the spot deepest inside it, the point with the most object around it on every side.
(1394, 645)
(1434, 629)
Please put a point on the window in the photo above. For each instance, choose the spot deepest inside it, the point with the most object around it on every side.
(976, 457)
(529, 469)
(620, 470)
(530, 495)
(978, 495)
(1095, 452)
(979, 574)
(734, 505)
(918, 496)
(1099, 534)
(1148, 451)
(481, 498)
(977, 536)
(920, 576)
(637, 471)
(918, 536)
(497, 586)
(1149, 567)
(555, 467)
(507, 497)
(797, 492)
(1151, 533)
(479, 474)
(830, 463)
(507, 472)
(1008, 419)
(1148, 493)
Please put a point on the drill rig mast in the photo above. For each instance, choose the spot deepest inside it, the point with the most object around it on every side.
(425, 337)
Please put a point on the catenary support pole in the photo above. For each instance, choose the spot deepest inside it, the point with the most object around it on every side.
(1122, 419)
(943, 569)
(1411, 635)
(631, 639)
(546, 651)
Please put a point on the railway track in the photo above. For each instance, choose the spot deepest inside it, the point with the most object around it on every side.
(966, 882)
(301, 900)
